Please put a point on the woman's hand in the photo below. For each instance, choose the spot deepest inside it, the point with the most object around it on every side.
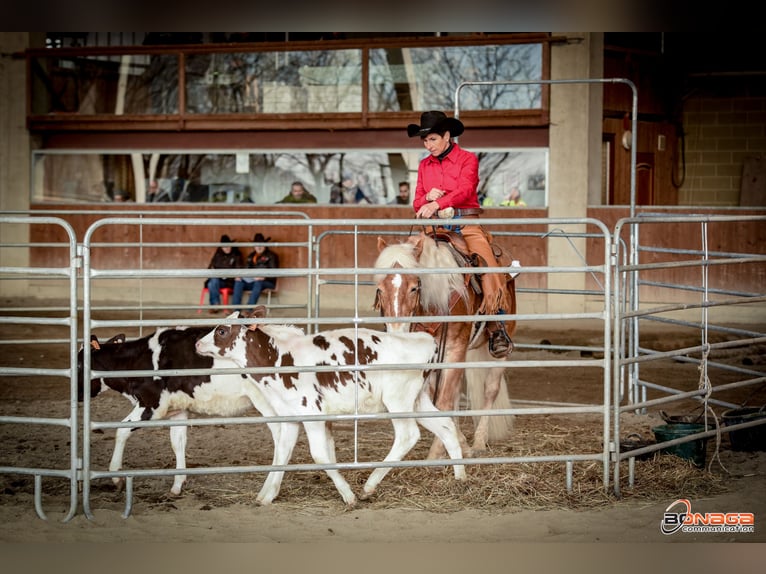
(427, 210)
(434, 194)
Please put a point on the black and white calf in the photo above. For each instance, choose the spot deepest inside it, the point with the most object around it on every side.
(159, 398)
(291, 393)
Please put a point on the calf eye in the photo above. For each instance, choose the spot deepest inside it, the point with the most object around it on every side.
(221, 331)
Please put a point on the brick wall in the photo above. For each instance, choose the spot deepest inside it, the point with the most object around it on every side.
(721, 133)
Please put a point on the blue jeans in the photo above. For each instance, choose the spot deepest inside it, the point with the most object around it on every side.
(255, 288)
(214, 285)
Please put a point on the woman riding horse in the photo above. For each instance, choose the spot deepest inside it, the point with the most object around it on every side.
(449, 177)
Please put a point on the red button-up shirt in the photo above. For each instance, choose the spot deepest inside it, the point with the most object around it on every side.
(457, 174)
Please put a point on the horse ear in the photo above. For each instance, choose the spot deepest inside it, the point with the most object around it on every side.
(417, 241)
(381, 244)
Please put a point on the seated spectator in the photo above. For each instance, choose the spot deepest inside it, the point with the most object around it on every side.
(260, 258)
(298, 194)
(225, 257)
(403, 198)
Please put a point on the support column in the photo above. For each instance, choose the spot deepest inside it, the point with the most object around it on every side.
(575, 157)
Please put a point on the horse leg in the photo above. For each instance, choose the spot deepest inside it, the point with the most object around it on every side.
(487, 389)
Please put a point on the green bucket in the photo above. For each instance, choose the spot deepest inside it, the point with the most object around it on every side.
(693, 450)
(749, 439)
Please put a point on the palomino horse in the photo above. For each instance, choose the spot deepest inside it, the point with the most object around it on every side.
(446, 294)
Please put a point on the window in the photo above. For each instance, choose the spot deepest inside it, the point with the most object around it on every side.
(142, 82)
(264, 177)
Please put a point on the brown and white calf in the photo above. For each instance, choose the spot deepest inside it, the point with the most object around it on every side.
(340, 391)
(172, 398)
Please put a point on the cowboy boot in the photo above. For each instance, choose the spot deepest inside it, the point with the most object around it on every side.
(500, 344)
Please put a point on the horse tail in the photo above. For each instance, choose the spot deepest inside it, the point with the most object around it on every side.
(500, 426)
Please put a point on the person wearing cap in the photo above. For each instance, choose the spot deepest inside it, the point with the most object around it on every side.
(226, 256)
(298, 194)
(260, 258)
(449, 178)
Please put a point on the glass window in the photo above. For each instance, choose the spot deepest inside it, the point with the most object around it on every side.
(115, 84)
(288, 82)
(316, 81)
(366, 177)
(406, 79)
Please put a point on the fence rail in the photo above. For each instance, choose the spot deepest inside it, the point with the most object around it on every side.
(616, 304)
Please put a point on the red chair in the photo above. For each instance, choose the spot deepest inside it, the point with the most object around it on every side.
(225, 293)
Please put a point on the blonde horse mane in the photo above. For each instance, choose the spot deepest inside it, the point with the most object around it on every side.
(435, 288)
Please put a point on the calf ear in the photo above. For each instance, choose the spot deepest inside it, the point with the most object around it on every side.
(234, 315)
(117, 338)
(381, 244)
(258, 312)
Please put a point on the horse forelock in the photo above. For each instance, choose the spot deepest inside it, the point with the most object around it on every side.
(435, 288)
(396, 255)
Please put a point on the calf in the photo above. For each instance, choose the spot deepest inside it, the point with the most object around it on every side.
(338, 392)
(158, 398)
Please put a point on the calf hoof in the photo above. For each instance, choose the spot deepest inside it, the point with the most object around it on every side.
(366, 495)
(119, 483)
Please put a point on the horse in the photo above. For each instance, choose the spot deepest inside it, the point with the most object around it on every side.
(429, 294)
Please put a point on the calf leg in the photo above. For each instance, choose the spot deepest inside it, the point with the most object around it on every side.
(448, 399)
(406, 435)
(322, 447)
(120, 439)
(444, 428)
(283, 450)
(178, 442)
(264, 407)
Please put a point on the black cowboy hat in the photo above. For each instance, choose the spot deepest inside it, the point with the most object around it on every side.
(259, 238)
(435, 121)
(226, 239)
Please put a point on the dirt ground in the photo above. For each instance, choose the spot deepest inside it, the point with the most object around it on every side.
(498, 503)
